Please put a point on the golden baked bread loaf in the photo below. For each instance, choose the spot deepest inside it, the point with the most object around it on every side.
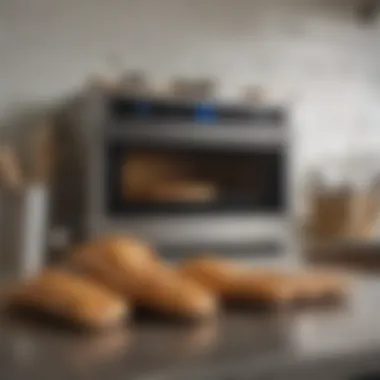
(70, 297)
(121, 263)
(262, 284)
(217, 275)
(141, 171)
(131, 268)
(271, 288)
(253, 285)
(169, 293)
(311, 286)
(183, 191)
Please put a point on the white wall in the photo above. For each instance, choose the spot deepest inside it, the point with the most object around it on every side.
(312, 53)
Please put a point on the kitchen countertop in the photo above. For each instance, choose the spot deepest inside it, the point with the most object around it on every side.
(335, 342)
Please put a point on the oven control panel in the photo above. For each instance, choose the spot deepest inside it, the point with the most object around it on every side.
(196, 112)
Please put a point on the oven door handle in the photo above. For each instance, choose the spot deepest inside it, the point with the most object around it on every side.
(220, 137)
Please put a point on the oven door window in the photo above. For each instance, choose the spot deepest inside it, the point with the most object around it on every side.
(166, 179)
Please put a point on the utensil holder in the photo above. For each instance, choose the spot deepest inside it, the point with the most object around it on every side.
(24, 217)
(10, 214)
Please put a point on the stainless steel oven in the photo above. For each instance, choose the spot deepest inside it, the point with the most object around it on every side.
(191, 177)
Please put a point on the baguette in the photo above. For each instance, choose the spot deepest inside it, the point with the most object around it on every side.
(131, 268)
(217, 275)
(263, 285)
(237, 284)
(264, 288)
(183, 191)
(69, 297)
(171, 294)
(120, 263)
(313, 286)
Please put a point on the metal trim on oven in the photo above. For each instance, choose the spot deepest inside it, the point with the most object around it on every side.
(206, 230)
(220, 136)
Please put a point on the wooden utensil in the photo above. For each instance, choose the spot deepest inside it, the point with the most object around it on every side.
(11, 176)
(42, 155)
(11, 192)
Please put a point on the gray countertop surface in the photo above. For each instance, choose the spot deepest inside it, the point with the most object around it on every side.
(336, 342)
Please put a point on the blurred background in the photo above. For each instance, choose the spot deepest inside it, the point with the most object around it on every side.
(246, 128)
(309, 66)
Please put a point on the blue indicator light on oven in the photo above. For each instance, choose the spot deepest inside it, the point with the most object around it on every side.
(205, 113)
(142, 108)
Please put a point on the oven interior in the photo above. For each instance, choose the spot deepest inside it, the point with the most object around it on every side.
(170, 179)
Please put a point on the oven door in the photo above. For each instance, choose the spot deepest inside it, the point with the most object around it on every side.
(192, 189)
(170, 179)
